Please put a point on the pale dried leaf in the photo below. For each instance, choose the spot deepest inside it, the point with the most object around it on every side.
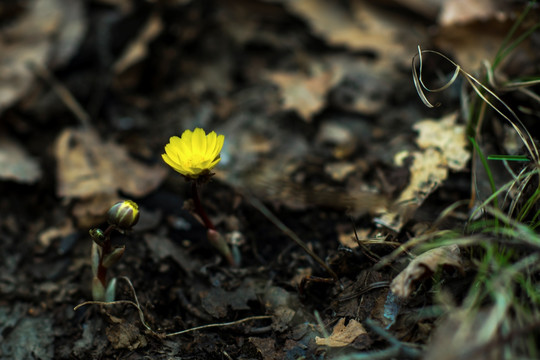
(87, 167)
(92, 211)
(342, 335)
(365, 28)
(266, 347)
(470, 51)
(427, 173)
(425, 265)
(444, 146)
(125, 335)
(303, 93)
(339, 170)
(460, 334)
(464, 11)
(47, 31)
(138, 48)
(46, 237)
(448, 137)
(70, 33)
(16, 164)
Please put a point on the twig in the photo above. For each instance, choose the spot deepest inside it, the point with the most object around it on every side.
(129, 302)
(280, 225)
(63, 93)
(137, 305)
(259, 317)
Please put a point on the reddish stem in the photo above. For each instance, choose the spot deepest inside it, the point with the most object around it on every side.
(105, 250)
(198, 207)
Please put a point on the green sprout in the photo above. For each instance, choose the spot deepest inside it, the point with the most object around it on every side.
(122, 216)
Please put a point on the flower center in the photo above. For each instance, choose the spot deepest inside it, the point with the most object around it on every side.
(193, 161)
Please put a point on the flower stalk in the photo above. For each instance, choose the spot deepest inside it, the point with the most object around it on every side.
(199, 210)
(194, 155)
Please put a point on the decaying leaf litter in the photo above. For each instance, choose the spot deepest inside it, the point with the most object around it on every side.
(328, 145)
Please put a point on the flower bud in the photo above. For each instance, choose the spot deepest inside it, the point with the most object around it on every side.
(124, 214)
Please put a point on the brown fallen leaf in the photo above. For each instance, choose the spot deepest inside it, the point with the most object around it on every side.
(489, 22)
(88, 166)
(266, 347)
(303, 93)
(16, 164)
(94, 171)
(46, 33)
(138, 48)
(425, 265)
(448, 137)
(124, 335)
(467, 335)
(362, 27)
(455, 12)
(444, 147)
(343, 335)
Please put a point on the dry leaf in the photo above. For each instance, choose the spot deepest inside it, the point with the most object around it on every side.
(445, 147)
(305, 94)
(465, 11)
(424, 265)
(365, 28)
(87, 167)
(466, 336)
(91, 211)
(472, 31)
(46, 237)
(342, 335)
(48, 31)
(266, 348)
(125, 335)
(448, 137)
(339, 170)
(138, 48)
(16, 164)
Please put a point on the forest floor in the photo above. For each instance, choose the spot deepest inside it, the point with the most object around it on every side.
(362, 221)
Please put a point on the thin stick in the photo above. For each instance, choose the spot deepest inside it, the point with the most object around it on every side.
(280, 225)
(141, 314)
(63, 93)
(259, 317)
(136, 304)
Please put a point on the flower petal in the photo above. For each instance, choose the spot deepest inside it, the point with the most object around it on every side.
(198, 145)
(194, 153)
(214, 163)
(177, 167)
(219, 145)
(187, 138)
(181, 148)
(210, 144)
(173, 153)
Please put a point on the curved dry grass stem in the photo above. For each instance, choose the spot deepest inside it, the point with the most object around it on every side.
(476, 86)
(137, 305)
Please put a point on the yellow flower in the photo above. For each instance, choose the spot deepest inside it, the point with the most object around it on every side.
(195, 153)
